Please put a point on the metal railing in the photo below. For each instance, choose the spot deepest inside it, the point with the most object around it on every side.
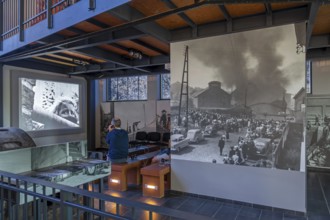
(18, 15)
(24, 197)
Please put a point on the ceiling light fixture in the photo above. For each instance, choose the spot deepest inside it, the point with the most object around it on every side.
(135, 54)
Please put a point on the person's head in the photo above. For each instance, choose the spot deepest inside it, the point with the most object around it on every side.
(66, 109)
(116, 122)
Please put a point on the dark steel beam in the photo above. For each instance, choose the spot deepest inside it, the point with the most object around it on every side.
(283, 17)
(135, 64)
(123, 26)
(92, 5)
(314, 8)
(227, 17)
(39, 65)
(317, 54)
(130, 72)
(92, 101)
(97, 23)
(107, 56)
(319, 41)
(148, 46)
(49, 14)
(20, 19)
(128, 14)
(98, 53)
(171, 5)
(269, 13)
(103, 38)
(1, 95)
(1, 25)
(106, 31)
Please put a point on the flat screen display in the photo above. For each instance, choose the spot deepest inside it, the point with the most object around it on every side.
(48, 105)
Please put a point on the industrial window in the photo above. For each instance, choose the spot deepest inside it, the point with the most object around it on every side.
(165, 86)
(127, 88)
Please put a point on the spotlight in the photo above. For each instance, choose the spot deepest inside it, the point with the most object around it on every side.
(135, 54)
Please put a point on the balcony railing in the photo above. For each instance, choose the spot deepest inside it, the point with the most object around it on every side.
(17, 15)
(24, 197)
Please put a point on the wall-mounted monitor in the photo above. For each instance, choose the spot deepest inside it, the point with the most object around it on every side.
(44, 104)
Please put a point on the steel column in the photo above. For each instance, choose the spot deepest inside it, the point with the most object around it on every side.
(1, 98)
(21, 19)
(49, 14)
(1, 25)
(92, 5)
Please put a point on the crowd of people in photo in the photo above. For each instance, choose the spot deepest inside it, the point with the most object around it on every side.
(246, 127)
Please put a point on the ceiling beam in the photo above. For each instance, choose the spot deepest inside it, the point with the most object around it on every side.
(39, 65)
(171, 5)
(314, 8)
(135, 64)
(129, 72)
(128, 14)
(269, 13)
(254, 22)
(109, 57)
(320, 41)
(317, 54)
(127, 25)
(78, 31)
(104, 38)
(228, 18)
(98, 53)
(148, 46)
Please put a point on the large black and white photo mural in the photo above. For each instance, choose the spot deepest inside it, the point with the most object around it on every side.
(237, 99)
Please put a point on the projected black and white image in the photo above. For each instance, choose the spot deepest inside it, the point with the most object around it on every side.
(47, 105)
(318, 131)
(237, 99)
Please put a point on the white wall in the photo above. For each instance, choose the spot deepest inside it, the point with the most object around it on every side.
(123, 109)
(262, 186)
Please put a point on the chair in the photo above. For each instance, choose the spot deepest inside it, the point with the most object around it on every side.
(140, 139)
(153, 137)
(165, 139)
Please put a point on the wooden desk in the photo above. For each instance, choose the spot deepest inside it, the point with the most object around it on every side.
(153, 179)
(124, 173)
(118, 177)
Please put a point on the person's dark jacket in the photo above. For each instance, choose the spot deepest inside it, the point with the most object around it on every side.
(117, 139)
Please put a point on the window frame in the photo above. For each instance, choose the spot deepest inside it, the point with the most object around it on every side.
(161, 86)
(109, 91)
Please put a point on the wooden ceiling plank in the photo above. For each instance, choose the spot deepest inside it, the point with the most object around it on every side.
(54, 61)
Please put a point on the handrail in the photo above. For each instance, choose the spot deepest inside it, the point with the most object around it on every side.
(17, 18)
(67, 190)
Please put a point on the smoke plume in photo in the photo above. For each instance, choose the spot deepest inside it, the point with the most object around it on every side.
(248, 63)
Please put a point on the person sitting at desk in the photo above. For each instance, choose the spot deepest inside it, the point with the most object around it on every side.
(163, 155)
(117, 139)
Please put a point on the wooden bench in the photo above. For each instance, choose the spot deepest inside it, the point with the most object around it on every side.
(118, 179)
(123, 174)
(153, 179)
